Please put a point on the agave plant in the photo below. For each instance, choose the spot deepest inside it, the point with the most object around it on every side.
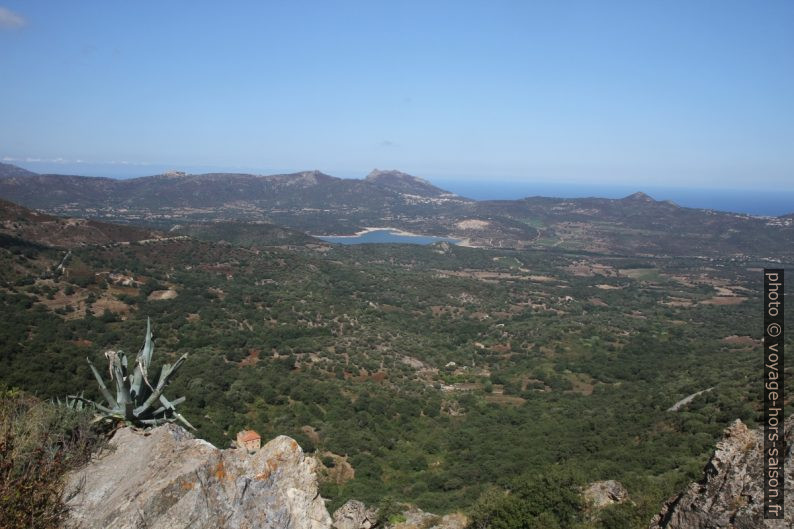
(136, 398)
(71, 402)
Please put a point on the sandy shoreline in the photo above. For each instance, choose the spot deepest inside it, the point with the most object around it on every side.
(395, 231)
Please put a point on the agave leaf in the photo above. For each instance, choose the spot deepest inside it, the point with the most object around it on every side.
(134, 403)
(102, 387)
(103, 409)
(136, 380)
(167, 405)
(171, 405)
(184, 421)
(152, 422)
(155, 396)
(122, 393)
(166, 373)
(148, 345)
(143, 361)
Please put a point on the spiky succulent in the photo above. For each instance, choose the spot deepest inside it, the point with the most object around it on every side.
(71, 402)
(136, 398)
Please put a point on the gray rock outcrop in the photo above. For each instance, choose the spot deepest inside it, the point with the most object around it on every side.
(600, 494)
(731, 494)
(165, 479)
(416, 518)
(355, 515)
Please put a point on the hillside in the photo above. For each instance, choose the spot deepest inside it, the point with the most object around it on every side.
(424, 374)
(8, 170)
(319, 204)
(17, 222)
(247, 234)
(640, 225)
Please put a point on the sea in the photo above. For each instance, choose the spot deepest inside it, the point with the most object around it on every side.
(771, 203)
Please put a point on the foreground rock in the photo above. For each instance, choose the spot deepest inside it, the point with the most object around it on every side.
(731, 494)
(165, 478)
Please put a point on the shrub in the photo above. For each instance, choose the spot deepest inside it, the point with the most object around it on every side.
(390, 510)
(39, 443)
(544, 501)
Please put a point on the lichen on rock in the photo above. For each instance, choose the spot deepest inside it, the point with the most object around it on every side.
(164, 478)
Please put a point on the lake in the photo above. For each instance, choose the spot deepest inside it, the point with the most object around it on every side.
(384, 236)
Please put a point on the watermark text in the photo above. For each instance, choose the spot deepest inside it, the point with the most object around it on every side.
(774, 449)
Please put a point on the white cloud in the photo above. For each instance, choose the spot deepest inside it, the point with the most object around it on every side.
(9, 19)
(59, 160)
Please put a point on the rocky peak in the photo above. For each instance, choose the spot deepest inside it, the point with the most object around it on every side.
(313, 177)
(302, 179)
(164, 478)
(376, 175)
(731, 493)
(404, 183)
(639, 196)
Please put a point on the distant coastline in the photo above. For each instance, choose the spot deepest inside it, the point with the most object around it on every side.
(761, 202)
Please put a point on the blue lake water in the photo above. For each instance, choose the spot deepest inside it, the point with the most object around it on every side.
(772, 202)
(384, 236)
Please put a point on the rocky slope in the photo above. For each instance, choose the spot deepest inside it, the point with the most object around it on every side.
(165, 478)
(731, 494)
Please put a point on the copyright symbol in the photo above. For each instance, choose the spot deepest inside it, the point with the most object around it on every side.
(773, 329)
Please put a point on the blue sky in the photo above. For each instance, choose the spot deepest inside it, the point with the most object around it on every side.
(659, 93)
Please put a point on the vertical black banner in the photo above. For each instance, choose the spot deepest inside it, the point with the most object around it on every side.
(774, 449)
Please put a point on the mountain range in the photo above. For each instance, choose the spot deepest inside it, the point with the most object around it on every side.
(316, 203)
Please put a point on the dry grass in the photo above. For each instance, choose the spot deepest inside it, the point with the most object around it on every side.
(740, 341)
(39, 443)
(505, 400)
(158, 295)
(726, 300)
(109, 304)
